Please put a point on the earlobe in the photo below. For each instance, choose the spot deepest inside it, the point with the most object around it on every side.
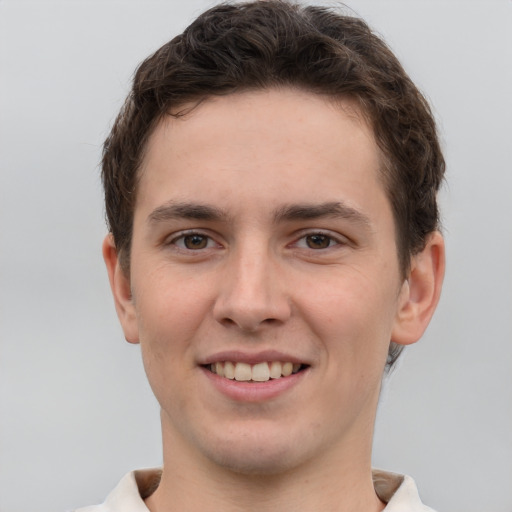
(121, 290)
(420, 292)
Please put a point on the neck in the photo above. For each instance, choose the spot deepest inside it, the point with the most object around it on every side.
(339, 480)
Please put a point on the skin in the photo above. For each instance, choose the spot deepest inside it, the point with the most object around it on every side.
(256, 274)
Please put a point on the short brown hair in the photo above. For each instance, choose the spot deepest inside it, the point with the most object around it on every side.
(256, 45)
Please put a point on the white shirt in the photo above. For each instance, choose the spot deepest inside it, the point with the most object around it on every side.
(398, 491)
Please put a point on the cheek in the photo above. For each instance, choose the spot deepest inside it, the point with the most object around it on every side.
(352, 315)
(170, 306)
(169, 316)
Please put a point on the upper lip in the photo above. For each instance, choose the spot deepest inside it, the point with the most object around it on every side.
(238, 356)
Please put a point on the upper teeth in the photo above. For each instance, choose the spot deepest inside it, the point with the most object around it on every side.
(259, 372)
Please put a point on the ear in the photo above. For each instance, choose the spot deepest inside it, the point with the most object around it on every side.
(121, 290)
(420, 292)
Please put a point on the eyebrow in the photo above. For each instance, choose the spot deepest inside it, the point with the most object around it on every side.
(173, 210)
(183, 210)
(335, 209)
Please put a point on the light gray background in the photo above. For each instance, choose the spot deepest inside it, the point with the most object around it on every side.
(76, 412)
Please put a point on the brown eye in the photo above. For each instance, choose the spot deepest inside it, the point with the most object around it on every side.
(318, 241)
(195, 242)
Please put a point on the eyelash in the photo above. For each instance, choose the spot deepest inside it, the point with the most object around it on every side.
(210, 242)
(332, 240)
(190, 234)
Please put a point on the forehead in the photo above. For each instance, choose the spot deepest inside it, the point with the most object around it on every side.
(270, 142)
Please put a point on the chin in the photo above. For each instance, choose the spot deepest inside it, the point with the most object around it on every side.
(255, 463)
(256, 454)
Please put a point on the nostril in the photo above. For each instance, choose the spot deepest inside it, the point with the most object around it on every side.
(227, 321)
(251, 306)
(248, 324)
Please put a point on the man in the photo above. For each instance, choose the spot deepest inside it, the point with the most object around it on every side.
(270, 189)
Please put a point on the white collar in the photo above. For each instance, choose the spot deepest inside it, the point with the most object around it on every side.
(398, 491)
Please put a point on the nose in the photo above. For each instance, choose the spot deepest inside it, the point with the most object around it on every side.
(252, 294)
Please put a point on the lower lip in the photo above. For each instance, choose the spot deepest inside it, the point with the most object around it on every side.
(244, 391)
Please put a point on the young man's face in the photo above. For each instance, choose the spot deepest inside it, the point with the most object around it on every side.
(263, 238)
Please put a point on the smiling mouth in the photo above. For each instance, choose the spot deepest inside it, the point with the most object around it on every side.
(259, 372)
